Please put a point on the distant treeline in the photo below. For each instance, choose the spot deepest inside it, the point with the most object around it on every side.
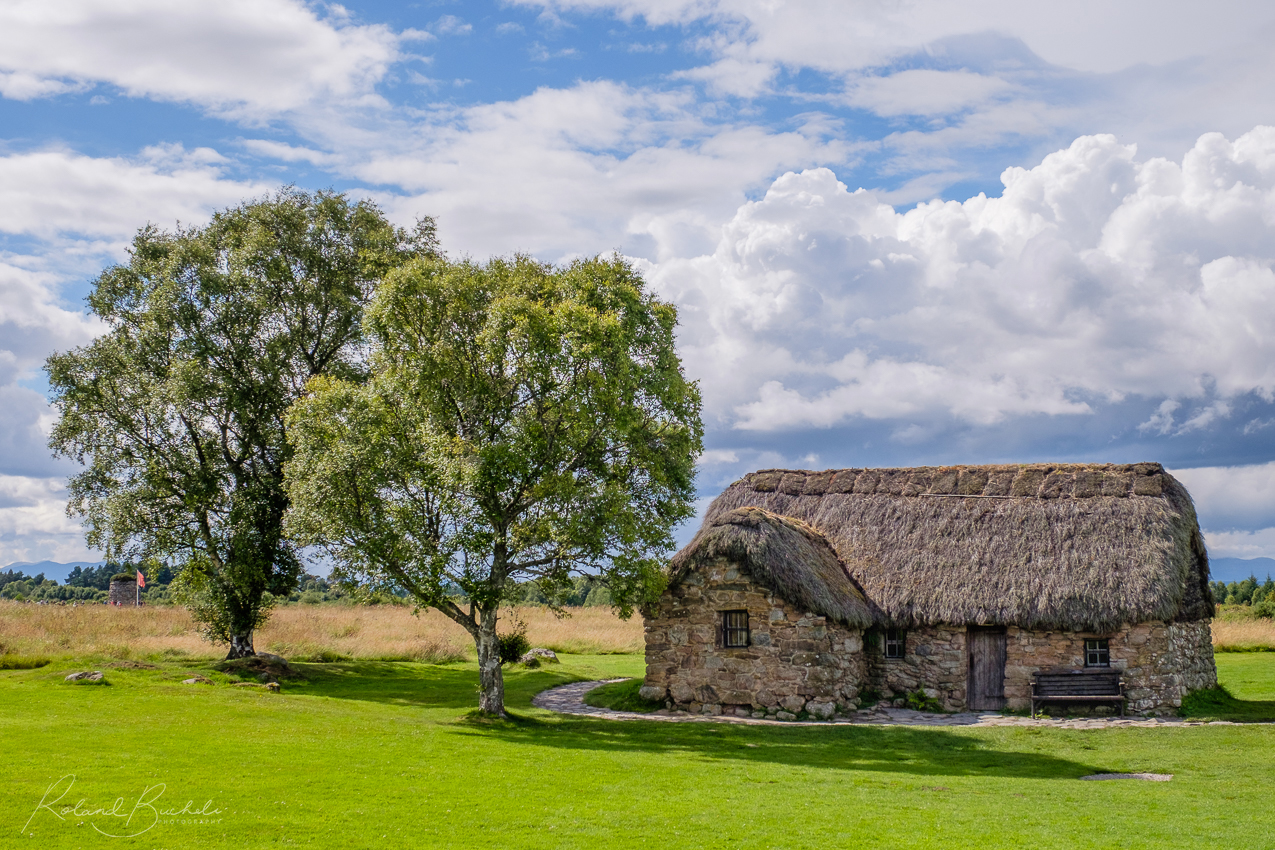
(1259, 595)
(83, 584)
(90, 584)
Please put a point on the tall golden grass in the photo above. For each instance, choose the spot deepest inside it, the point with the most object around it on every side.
(366, 632)
(1236, 635)
(298, 631)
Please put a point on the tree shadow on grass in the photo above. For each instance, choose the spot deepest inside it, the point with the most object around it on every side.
(1218, 704)
(888, 749)
(450, 686)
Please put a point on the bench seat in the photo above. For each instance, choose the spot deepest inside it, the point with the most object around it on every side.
(1069, 686)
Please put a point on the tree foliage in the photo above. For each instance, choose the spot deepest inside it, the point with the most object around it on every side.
(1259, 595)
(177, 411)
(521, 422)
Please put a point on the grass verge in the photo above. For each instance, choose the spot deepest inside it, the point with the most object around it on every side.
(621, 696)
(1246, 692)
(22, 662)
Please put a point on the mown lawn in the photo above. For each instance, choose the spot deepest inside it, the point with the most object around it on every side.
(384, 755)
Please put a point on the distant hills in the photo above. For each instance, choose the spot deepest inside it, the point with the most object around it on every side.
(1222, 569)
(51, 569)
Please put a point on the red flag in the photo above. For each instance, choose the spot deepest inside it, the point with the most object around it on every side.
(141, 579)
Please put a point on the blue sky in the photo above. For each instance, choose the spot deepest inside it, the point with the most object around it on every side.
(898, 233)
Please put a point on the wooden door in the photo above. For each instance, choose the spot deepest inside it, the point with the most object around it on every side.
(986, 649)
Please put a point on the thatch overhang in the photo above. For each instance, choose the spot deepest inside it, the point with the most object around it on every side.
(1041, 546)
(783, 554)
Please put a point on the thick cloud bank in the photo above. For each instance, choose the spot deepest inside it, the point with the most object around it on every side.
(1095, 277)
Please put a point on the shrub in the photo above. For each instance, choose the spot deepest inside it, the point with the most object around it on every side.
(514, 645)
(919, 700)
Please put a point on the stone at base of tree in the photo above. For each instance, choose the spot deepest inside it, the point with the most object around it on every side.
(786, 715)
(85, 676)
(546, 656)
(197, 680)
(269, 667)
(272, 658)
(653, 693)
(821, 710)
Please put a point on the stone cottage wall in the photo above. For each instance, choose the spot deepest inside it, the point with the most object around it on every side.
(122, 593)
(797, 661)
(933, 662)
(1161, 662)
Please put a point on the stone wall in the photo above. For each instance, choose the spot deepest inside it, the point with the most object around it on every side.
(797, 661)
(1160, 663)
(933, 662)
(122, 593)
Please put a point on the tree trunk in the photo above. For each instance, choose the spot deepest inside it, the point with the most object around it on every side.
(241, 646)
(491, 683)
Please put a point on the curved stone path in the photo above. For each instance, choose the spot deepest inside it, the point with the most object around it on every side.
(569, 699)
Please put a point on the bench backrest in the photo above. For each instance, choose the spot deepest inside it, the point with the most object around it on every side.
(1077, 684)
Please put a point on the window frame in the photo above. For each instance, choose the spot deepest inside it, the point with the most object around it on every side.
(1098, 656)
(734, 631)
(894, 644)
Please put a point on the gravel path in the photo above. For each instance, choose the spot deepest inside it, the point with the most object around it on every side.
(569, 699)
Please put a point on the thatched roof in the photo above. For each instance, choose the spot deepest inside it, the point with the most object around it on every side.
(783, 554)
(1071, 546)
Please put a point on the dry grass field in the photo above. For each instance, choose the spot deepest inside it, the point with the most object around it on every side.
(1243, 635)
(385, 633)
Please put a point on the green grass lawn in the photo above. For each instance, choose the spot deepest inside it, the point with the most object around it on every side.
(387, 755)
(1247, 691)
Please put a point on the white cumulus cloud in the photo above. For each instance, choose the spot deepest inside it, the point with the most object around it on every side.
(248, 57)
(33, 522)
(51, 192)
(1094, 277)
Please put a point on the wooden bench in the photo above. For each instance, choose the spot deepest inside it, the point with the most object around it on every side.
(1078, 686)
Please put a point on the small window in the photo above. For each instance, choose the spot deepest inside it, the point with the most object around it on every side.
(1097, 652)
(895, 643)
(734, 628)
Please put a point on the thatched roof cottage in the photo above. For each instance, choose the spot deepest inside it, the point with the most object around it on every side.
(958, 582)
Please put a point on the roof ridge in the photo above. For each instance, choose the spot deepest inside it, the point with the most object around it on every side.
(1018, 480)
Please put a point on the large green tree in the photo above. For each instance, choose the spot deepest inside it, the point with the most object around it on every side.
(177, 410)
(521, 422)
